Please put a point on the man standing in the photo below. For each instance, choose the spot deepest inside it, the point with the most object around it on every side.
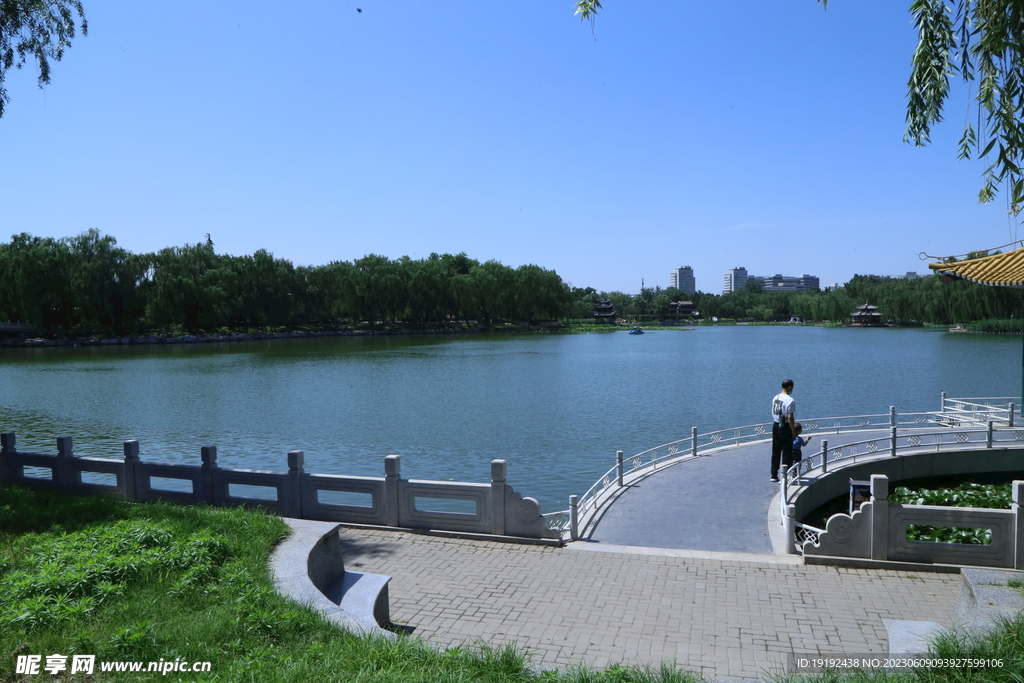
(783, 427)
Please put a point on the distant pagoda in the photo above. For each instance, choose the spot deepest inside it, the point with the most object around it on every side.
(604, 312)
(866, 316)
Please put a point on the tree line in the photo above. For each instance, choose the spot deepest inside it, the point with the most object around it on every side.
(900, 300)
(87, 284)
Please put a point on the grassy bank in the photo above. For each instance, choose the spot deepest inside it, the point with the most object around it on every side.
(995, 326)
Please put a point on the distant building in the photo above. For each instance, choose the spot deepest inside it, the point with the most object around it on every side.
(735, 280)
(783, 283)
(681, 309)
(866, 316)
(682, 278)
(604, 312)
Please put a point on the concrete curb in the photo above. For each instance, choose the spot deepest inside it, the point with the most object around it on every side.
(986, 601)
(308, 567)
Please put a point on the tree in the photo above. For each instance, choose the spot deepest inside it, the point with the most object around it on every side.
(753, 286)
(977, 40)
(36, 29)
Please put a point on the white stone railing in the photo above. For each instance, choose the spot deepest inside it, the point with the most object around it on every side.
(584, 510)
(878, 532)
(390, 501)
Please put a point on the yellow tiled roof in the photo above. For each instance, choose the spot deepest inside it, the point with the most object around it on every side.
(998, 270)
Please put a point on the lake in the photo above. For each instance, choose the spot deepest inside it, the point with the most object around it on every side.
(556, 406)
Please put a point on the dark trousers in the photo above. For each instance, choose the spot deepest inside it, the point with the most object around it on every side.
(782, 446)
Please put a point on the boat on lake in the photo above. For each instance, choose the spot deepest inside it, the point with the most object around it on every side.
(635, 330)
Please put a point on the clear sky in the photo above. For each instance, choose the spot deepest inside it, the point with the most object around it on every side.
(757, 133)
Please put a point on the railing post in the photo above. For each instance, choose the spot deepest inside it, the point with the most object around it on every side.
(693, 441)
(7, 448)
(499, 471)
(574, 518)
(618, 463)
(1010, 419)
(131, 469)
(892, 416)
(942, 398)
(988, 435)
(62, 472)
(892, 441)
(784, 486)
(824, 456)
(210, 496)
(296, 467)
(1017, 492)
(392, 471)
(879, 517)
(789, 528)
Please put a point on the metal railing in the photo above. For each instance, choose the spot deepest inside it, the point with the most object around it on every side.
(583, 510)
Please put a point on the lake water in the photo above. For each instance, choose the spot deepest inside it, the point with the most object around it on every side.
(556, 406)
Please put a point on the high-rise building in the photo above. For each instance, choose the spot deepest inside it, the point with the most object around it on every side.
(682, 278)
(735, 280)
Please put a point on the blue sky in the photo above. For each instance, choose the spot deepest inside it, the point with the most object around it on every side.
(756, 133)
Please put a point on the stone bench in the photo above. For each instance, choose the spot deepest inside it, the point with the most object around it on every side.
(308, 567)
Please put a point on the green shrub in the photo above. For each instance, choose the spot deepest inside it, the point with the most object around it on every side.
(966, 495)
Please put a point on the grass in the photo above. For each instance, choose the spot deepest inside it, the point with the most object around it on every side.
(141, 582)
(995, 326)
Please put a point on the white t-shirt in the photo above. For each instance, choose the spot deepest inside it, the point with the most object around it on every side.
(783, 405)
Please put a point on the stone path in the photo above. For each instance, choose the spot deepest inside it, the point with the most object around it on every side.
(714, 502)
(724, 616)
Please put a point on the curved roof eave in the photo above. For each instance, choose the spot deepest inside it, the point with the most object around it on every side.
(998, 270)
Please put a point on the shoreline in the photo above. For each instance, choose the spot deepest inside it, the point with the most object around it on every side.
(154, 339)
(345, 331)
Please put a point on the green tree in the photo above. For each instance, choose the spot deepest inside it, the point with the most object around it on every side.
(983, 41)
(264, 286)
(378, 290)
(191, 287)
(660, 306)
(36, 29)
(107, 283)
(35, 281)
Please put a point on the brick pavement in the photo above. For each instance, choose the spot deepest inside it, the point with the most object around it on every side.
(724, 616)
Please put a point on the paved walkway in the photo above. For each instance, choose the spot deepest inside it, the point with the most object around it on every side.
(714, 502)
(679, 569)
(735, 618)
